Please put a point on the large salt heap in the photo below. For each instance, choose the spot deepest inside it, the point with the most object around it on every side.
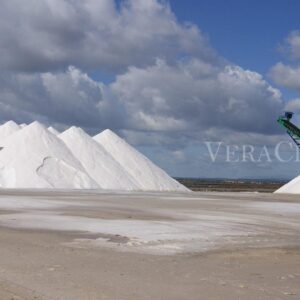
(292, 187)
(53, 130)
(98, 163)
(7, 129)
(147, 175)
(33, 157)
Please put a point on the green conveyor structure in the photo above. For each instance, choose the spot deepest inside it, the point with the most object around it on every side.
(292, 130)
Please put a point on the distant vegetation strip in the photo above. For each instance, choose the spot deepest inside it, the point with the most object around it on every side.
(231, 185)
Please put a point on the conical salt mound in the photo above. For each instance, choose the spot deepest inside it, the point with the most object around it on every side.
(146, 174)
(53, 130)
(108, 173)
(292, 187)
(7, 129)
(35, 158)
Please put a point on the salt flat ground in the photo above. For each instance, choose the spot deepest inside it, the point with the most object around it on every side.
(110, 245)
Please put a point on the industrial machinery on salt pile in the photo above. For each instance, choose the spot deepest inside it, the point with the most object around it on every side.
(292, 130)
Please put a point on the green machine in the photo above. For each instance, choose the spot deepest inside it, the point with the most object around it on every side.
(292, 130)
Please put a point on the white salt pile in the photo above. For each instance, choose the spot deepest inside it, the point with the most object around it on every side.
(7, 129)
(146, 174)
(98, 163)
(36, 157)
(53, 130)
(292, 187)
(33, 157)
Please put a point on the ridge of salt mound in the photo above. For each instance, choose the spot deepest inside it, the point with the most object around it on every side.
(53, 130)
(98, 163)
(7, 129)
(35, 158)
(23, 125)
(292, 187)
(147, 174)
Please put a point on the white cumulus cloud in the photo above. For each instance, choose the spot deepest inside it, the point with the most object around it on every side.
(286, 75)
(165, 75)
(292, 44)
(187, 96)
(40, 35)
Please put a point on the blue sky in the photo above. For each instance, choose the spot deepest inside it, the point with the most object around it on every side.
(245, 32)
(248, 33)
(166, 76)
